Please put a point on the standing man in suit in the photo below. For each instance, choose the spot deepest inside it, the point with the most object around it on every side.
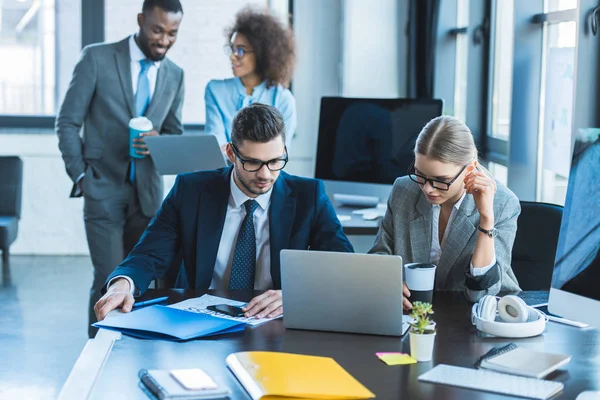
(231, 224)
(113, 83)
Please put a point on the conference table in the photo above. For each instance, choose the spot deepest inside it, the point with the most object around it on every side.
(108, 365)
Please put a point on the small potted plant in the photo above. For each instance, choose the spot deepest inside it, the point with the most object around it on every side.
(422, 332)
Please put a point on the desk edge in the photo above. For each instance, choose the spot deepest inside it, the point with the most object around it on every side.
(88, 366)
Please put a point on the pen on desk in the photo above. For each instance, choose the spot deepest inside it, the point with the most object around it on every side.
(149, 302)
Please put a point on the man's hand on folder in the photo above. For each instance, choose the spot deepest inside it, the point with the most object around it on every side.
(117, 295)
(267, 305)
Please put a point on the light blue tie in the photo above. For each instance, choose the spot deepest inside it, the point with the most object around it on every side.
(142, 99)
(244, 255)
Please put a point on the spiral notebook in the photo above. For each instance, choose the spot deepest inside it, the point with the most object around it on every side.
(163, 386)
(515, 360)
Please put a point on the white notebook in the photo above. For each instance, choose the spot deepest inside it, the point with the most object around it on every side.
(521, 361)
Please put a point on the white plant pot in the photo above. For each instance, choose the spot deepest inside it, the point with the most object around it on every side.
(421, 346)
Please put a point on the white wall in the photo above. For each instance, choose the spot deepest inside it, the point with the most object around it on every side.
(317, 27)
(374, 48)
(68, 39)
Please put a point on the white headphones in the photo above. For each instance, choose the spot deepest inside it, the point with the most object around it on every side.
(516, 319)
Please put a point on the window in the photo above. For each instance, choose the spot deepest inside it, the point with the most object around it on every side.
(461, 69)
(560, 5)
(35, 72)
(199, 46)
(27, 82)
(503, 65)
(499, 172)
(556, 105)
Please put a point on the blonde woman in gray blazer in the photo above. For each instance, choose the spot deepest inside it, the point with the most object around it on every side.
(450, 212)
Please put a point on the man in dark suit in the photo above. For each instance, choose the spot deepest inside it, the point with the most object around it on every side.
(111, 84)
(231, 224)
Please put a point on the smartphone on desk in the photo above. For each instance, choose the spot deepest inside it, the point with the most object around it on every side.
(226, 309)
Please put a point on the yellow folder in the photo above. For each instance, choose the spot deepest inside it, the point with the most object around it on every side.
(274, 376)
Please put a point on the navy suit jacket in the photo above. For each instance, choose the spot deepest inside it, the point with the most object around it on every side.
(192, 216)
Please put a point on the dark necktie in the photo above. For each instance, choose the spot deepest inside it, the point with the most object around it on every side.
(244, 255)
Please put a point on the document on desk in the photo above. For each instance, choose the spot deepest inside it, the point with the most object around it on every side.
(199, 305)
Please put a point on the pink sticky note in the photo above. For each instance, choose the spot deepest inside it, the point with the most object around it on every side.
(396, 358)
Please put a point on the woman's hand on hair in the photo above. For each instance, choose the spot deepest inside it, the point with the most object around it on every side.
(482, 187)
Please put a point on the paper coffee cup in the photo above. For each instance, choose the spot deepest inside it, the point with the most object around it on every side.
(420, 280)
(136, 126)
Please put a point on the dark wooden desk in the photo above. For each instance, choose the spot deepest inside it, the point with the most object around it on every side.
(457, 343)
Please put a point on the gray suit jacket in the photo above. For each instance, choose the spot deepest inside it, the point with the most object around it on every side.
(100, 98)
(406, 231)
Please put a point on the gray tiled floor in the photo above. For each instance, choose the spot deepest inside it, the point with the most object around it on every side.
(43, 324)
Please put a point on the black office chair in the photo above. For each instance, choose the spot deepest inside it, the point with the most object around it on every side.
(11, 187)
(534, 250)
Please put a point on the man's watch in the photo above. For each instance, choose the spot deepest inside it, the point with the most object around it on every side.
(492, 233)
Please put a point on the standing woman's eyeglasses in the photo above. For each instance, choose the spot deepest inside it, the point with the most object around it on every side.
(237, 51)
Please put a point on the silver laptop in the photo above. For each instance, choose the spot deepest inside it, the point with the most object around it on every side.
(342, 292)
(176, 154)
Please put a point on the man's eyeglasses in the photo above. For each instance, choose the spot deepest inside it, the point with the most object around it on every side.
(436, 184)
(276, 164)
(237, 51)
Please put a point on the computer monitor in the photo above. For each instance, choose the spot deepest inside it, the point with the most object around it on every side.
(575, 288)
(369, 142)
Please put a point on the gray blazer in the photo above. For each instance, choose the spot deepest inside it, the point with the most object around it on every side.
(100, 99)
(406, 231)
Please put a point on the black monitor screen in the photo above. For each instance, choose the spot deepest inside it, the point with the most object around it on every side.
(577, 263)
(370, 140)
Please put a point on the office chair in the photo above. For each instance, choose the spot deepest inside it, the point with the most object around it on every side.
(11, 187)
(535, 244)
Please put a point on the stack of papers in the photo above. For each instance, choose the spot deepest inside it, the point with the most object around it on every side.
(372, 213)
(199, 304)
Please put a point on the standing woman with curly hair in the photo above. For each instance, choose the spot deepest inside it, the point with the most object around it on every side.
(262, 57)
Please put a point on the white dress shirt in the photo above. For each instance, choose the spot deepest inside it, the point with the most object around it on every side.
(436, 247)
(136, 55)
(236, 211)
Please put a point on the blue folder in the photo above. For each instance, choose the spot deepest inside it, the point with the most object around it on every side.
(160, 322)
